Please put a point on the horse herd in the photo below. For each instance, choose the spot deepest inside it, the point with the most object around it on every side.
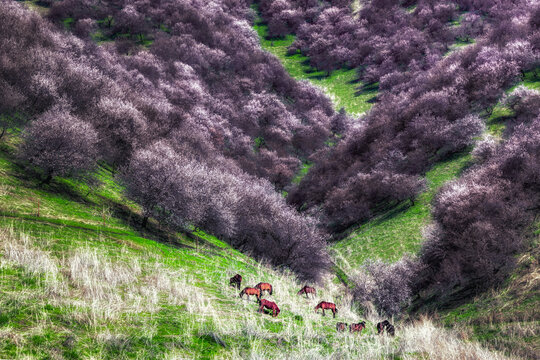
(261, 287)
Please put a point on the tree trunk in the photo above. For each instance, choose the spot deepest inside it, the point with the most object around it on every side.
(144, 222)
(47, 179)
(3, 132)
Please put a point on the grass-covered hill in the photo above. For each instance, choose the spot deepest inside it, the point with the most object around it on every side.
(80, 279)
(112, 263)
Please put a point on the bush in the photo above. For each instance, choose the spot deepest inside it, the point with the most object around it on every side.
(387, 286)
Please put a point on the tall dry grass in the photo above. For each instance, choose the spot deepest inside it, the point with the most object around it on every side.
(108, 292)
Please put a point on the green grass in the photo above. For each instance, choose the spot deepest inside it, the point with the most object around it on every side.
(303, 171)
(83, 280)
(398, 231)
(342, 86)
(506, 318)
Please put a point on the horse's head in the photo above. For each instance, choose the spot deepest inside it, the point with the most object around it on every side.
(302, 290)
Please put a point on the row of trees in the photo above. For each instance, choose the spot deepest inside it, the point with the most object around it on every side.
(422, 116)
(178, 120)
(481, 220)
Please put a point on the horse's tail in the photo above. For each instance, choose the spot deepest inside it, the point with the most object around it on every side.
(242, 292)
(271, 289)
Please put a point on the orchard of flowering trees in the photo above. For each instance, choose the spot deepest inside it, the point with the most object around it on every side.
(206, 130)
(185, 113)
(424, 113)
(430, 105)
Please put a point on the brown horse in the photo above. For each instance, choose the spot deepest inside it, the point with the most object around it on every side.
(326, 306)
(386, 326)
(236, 280)
(269, 305)
(264, 287)
(357, 327)
(340, 326)
(251, 291)
(307, 290)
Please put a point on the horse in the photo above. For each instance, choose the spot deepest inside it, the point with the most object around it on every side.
(264, 287)
(269, 305)
(385, 326)
(251, 291)
(236, 280)
(326, 305)
(340, 326)
(357, 327)
(307, 290)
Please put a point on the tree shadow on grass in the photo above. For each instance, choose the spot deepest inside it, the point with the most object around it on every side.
(30, 178)
(156, 232)
(367, 89)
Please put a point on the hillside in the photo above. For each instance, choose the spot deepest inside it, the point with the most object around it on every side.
(385, 152)
(80, 281)
(399, 230)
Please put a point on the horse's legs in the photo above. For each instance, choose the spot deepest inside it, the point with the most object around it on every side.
(334, 313)
(323, 312)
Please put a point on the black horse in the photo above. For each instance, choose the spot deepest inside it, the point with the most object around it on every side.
(385, 326)
(236, 280)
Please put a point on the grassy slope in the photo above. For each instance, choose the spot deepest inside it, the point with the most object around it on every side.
(80, 281)
(53, 301)
(399, 231)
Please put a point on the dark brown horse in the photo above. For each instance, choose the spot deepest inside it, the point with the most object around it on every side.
(251, 291)
(357, 327)
(326, 306)
(307, 290)
(236, 280)
(385, 326)
(269, 305)
(264, 287)
(340, 326)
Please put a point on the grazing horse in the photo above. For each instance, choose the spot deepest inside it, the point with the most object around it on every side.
(269, 305)
(341, 326)
(357, 327)
(236, 280)
(307, 290)
(264, 287)
(326, 306)
(386, 326)
(251, 291)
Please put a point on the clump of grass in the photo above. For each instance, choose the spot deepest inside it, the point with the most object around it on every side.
(423, 337)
